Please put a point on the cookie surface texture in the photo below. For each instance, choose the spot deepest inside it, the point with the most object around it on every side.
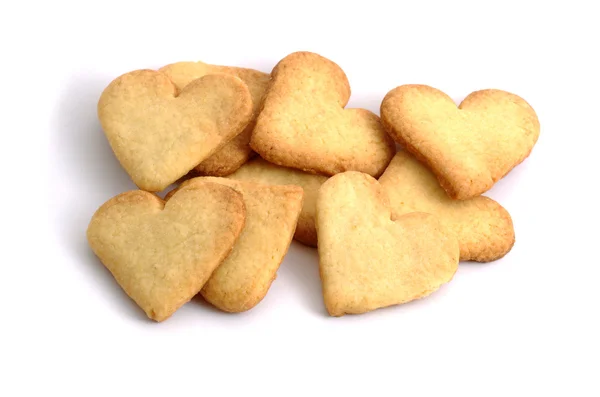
(159, 135)
(303, 123)
(469, 147)
(483, 227)
(237, 151)
(261, 171)
(369, 261)
(244, 277)
(162, 254)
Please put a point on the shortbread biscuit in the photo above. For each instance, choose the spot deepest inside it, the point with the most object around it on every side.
(303, 123)
(468, 148)
(484, 229)
(366, 259)
(162, 254)
(261, 171)
(237, 151)
(157, 135)
(244, 278)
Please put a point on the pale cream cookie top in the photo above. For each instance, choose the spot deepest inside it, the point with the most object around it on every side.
(261, 171)
(162, 254)
(484, 229)
(303, 123)
(470, 147)
(244, 277)
(237, 151)
(157, 135)
(366, 259)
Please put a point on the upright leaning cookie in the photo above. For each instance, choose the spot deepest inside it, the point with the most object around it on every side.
(245, 276)
(469, 147)
(483, 227)
(261, 171)
(303, 123)
(159, 135)
(162, 254)
(366, 259)
(238, 150)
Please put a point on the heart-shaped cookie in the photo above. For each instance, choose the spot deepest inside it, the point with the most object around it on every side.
(245, 276)
(484, 229)
(469, 147)
(162, 255)
(157, 135)
(261, 171)
(238, 150)
(367, 260)
(303, 123)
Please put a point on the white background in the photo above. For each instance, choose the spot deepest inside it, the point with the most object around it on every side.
(524, 325)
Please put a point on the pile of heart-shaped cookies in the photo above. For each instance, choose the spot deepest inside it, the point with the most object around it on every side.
(260, 159)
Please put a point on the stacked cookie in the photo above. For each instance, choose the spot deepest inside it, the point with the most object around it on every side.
(261, 159)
